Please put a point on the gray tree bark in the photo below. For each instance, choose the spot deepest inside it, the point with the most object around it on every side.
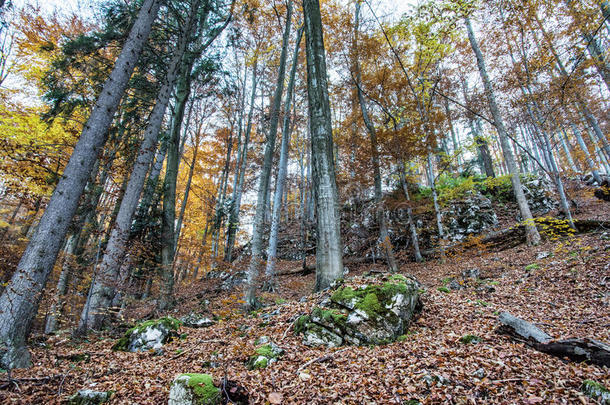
(329, 252)
(263, 187)
(533, 237)
(238, 190)
(384, 237)
(19, 300)
(102, 290)
(412, 227)
(282, 172)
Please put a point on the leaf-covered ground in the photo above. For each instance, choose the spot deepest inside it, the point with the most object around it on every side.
(567, 294)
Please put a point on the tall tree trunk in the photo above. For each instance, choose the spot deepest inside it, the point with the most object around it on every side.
(384, 237)
(187, 190)
(329, 252)
(412, 227)
(19, 301)
(282, 172)
(237, 191)
(263, 188)
(102, 290)
(437, 207)
(532, 235)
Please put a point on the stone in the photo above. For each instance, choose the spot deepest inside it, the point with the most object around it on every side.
(265, 354)
(596, 391)
(480, 373)
(542, 255)
(195, 320)
(90, 397)
(233, 281)
(472, 273)
(362, 315)
(148, 335)
(194, 389)
(469, 215)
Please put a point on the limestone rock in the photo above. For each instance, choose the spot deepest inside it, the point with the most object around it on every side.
(371, 314)
(90, 397)
(470, 215)
(265, 354)
(149, 335)
(195, 320)
(194, 389)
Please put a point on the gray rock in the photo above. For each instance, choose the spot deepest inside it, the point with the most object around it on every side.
(149, 335)
(90, 397)
(470, 215)
(542, 255)
(480, 373)
(195, 320)
(472, 273)
(194, 389)
(234, 281)
(373, 314)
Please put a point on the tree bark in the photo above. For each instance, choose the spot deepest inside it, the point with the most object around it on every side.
(102, 290)
(263, 187)
(19, 300)
(531, 231)
(329, 260)
(412, 227)
(282, 172)
(384, 237)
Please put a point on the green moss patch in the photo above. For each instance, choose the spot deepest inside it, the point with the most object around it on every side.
(168, 322)
(204, 390)
(368, 299)
(470, 339)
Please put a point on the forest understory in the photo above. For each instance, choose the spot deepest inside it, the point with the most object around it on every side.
(452, 353)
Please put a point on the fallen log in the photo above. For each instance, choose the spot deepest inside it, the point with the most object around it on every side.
(589, 350)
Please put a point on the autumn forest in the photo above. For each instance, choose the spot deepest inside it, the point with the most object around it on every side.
(305, 201)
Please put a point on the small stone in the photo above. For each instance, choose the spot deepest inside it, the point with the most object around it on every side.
(480, 373)
(542, 255)
(304, 376)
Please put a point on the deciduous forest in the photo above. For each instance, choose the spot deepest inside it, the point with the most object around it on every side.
(305, 202)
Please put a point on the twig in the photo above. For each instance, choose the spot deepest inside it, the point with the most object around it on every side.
(321, 359)
(288, 328)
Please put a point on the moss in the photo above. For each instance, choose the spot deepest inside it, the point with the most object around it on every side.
(398, 277)
(444, 289)
(370, 304)
(344, 294)
(301, 324)
(265, 350)
(204, 391)
(123, 343)
(596, 391)
(368, 298)
(331, 316)
(467, 339)
(533, 266)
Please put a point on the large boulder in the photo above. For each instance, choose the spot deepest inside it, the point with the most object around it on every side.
(369, 314)
(470, 215)
(148, 335)
(194, 389)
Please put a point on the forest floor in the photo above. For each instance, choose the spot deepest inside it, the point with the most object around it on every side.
(566, 294)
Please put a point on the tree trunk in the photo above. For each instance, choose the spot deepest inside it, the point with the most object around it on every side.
(236, 204)
(102, 289)
(384, 237)
(437, 207)
(19, 301)
(329, 260)
(263, 188)
(282, 172)
(532, 233)
(412, 227)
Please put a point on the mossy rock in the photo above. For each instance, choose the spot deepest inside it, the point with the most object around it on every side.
(371, 314)
(264, 355)
(596, 391)
(90, 397)
(148, 335)
(194, 389)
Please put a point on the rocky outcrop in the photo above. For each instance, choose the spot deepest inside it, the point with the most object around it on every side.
(537, 192)
(469, 216)
(369, 314)
(149, 335)
(194, 389)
